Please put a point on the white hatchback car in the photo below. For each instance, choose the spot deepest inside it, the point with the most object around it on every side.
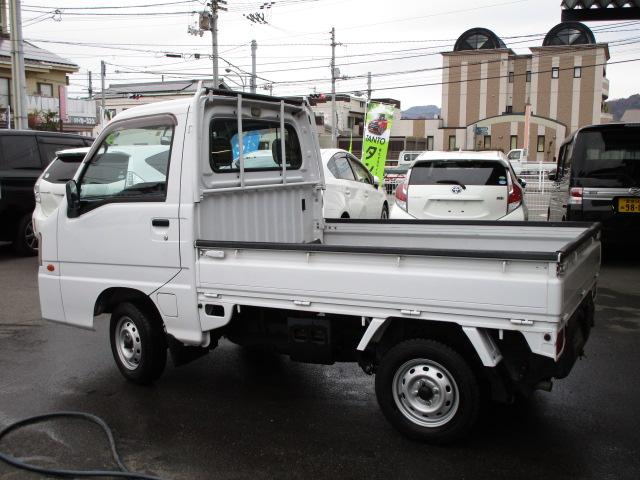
(461, 186)
(351, 190)
(50, 187)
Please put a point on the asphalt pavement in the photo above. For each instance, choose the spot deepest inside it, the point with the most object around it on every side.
(230, 415)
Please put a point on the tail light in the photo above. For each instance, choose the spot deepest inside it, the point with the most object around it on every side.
(401, 196)
(515, 195)
(575, 196)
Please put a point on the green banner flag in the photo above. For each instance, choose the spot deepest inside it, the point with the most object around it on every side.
(375, 142)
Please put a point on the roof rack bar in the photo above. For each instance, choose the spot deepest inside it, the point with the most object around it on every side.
(240, 141)
(283, 152)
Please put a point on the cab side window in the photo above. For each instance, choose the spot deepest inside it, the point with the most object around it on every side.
(131, 164)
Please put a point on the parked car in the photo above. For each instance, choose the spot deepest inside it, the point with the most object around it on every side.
(461, 186)
(23, 156)
(351, 190)
(598, 179)
(407, 157)
(49, 189)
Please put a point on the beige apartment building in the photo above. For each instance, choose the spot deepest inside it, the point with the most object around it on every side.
(487, 88)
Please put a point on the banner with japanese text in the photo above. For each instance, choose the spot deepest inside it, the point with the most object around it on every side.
(375, 142)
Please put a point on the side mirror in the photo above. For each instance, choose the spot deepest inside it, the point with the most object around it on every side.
(522, 183)
(553, 176)
(376, 182)
(73, 198)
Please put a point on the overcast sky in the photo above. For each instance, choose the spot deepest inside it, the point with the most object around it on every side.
(381, 36)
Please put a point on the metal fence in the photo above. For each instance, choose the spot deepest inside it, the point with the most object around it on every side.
(536, 193)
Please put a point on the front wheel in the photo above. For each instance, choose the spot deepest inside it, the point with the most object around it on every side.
(138, 343)
(427, 391)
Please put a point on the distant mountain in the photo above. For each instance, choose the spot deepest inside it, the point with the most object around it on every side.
(618, 106)
(421, 112)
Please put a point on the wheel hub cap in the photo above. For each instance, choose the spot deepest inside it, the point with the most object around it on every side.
(425, 393)
(128, 344)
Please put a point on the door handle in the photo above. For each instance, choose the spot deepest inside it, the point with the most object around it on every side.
(347, 192)
(160, 222)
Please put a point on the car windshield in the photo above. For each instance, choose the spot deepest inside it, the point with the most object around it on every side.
(463, 172)
(514, 155)
(608, 158)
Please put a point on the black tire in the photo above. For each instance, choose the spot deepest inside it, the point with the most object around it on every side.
(384, 215)
(138, 343)
(25, 242)
(446, 406)
(345, 215)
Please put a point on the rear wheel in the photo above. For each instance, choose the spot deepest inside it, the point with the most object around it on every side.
(25, 242)
(138, 343)
(427, 391)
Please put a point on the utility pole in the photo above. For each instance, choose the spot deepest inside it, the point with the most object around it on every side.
(368, 86)
(103, 74)
(254, 47)
(215, 6)
(90, 85)
(18, 84)
(334, 129)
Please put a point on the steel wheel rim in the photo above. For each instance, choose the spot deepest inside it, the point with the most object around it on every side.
(128, 344)
(30, 236)
(425, 393)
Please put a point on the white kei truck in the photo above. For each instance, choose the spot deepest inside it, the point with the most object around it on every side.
(166, 228)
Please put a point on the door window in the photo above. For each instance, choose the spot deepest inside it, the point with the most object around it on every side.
(19, 152)
(130, 165)
(339, 167)
(361, 172)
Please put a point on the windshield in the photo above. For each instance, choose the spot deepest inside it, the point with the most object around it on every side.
(514, 155)
(464, 172)
(608, 158)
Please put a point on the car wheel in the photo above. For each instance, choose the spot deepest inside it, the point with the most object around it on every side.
(427, 391)
(26, 242)
(138, 343)
(345, 215)
(385, 212)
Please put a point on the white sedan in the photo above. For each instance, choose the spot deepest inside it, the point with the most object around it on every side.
(351, 191)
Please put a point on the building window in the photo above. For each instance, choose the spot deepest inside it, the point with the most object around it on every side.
(487, 142)
(513, 142)
(452, 142)
(351, 122)
(45, 89)
(509, 109)
(555, 72)
(429, 143)
(510, 77)
(540, 143)
(577, 72)
(528, 76)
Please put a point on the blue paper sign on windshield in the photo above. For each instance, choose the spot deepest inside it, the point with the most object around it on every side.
(250, 143)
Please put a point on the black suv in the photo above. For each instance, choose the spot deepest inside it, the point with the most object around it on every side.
(598, 180)
(23, 156)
